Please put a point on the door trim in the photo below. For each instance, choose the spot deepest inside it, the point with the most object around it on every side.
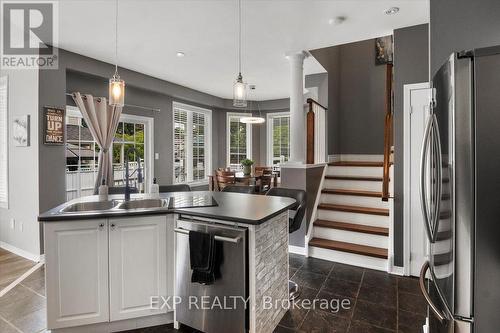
(407, 171)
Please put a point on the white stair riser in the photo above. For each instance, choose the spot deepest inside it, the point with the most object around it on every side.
(353, 200)
(443, 246)
(351, 237)
(353, 185)
(355, 171)
(349, 258)
(357, 218)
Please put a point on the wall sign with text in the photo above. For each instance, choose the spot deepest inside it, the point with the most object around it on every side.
(54, 125)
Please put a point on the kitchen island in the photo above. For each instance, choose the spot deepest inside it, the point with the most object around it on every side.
(118, 265)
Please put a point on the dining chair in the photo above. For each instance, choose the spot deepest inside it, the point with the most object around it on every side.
(266, 178)
(224, 178)
(239, 189)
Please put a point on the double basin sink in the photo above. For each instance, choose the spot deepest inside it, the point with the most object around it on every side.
(92, 206)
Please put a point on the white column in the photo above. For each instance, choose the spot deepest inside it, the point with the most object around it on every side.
(297, 116)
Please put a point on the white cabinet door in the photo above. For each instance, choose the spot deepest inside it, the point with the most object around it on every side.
(76, 260)
(138, 261)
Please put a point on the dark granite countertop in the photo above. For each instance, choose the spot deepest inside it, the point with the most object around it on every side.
(236, 207)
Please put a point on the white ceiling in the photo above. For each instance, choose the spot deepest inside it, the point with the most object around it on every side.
(152, 31)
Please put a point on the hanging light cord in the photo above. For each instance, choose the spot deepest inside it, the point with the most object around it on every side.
(116, 38)
(239, 36)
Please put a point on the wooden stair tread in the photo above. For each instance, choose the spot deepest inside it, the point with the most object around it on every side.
(366, 229)
(359, 193)
(371, 251)
(370, 179)
(357, 164)
(355, 209)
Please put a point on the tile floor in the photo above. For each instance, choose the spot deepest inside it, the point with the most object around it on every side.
(11, 267)
(23, 309)
(379, 302)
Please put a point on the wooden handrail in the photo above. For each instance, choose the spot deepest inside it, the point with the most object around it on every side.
(310, 135)
(312, 101)
(388, 132)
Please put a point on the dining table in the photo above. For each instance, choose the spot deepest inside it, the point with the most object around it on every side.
(241, 178)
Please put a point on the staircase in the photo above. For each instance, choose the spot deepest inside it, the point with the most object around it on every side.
(352, 222)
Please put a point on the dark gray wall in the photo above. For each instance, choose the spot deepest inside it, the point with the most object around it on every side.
(458, 25)
(329, 58)
(411, 65)
(362, 99)
(80, 73)
(356, 98)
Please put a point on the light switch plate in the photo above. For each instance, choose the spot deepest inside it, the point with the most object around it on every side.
(157, 156)
(12, 223)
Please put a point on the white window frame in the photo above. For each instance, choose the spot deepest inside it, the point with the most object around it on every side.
(73, 111)
(229, 116)
(189, 142)
(4, 80)
(269, 138)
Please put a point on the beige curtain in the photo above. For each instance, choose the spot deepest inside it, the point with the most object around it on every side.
(102, 120)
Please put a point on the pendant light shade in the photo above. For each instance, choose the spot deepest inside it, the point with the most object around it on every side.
(240, 93)
(239, 87)
(116, 84)
(252, 120)
(116, 91)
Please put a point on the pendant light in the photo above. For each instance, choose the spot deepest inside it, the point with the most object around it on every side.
(116, 84)
(239, 87)
(253, 119)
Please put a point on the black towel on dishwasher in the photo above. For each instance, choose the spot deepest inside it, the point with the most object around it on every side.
(202, 257)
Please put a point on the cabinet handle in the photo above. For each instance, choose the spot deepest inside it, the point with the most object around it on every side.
(101, 226)
(113, 226)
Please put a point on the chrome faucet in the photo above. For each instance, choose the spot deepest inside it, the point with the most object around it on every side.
(127, 176)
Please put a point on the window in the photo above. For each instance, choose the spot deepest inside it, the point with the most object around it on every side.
(239, 140)
(192, 158)
(278, 138)
(82, 153)
(4, 146)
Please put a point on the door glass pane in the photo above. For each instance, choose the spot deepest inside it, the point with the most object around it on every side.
(128, 132)
(139, 133)
(119, 132)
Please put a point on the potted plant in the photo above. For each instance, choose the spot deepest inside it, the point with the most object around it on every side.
(247, 166)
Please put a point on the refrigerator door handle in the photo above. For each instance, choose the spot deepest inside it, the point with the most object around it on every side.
(439, 180)
(423, 271)
(423, 187)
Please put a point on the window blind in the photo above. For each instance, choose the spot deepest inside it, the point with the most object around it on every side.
(191, 143)
(4, 141)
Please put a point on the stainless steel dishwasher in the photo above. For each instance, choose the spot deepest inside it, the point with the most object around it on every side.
(220, 307)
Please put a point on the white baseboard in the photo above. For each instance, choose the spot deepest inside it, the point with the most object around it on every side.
(21, 252)
(396, 270)
(297, 250)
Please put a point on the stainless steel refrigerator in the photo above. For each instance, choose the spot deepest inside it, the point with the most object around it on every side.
(460, 195)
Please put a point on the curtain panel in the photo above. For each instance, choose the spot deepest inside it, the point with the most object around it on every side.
(102, 120)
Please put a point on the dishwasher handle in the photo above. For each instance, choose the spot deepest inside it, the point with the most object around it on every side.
(218, 238)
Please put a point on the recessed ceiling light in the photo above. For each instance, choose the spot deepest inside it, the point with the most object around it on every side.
(336, 20)
(392, 10)
(180, 54)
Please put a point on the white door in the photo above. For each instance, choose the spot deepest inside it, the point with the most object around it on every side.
(417, 99)
(76, 260)
(137, 265)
